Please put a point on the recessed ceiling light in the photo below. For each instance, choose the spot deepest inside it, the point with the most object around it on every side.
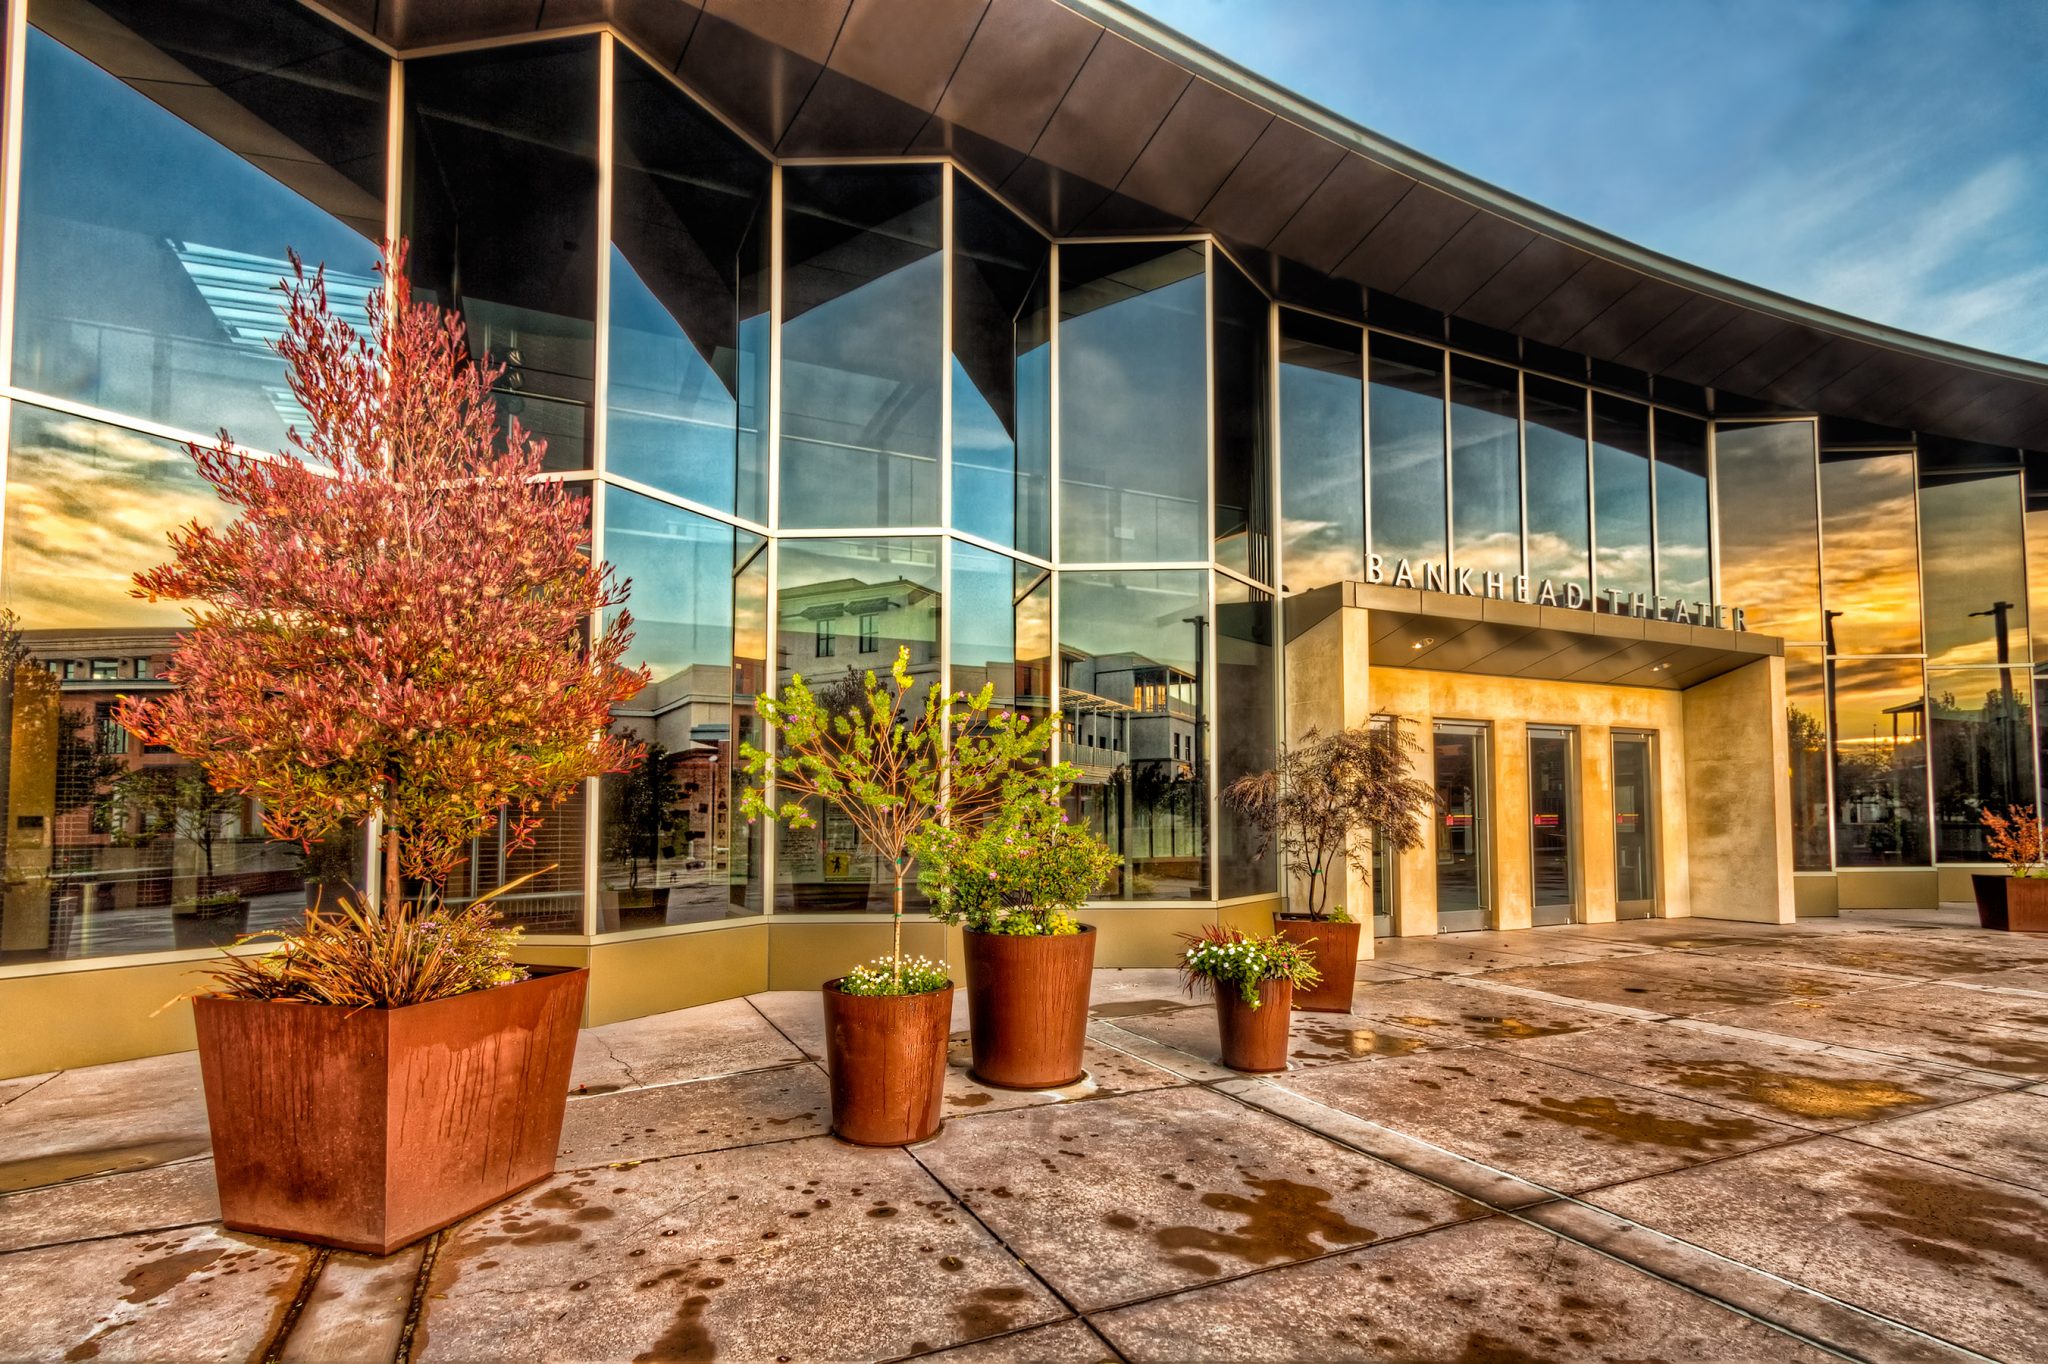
(1423, 643)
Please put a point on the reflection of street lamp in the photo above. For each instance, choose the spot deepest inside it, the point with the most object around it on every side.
(1201, 624)
(1834, 734)
(1997, 611)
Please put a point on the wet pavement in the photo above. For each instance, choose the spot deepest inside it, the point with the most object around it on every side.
(1661, 1140)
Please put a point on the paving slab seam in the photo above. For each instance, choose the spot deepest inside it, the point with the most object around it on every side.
(1618, 1010)
(296, 1308)
(422, 1281)
(31, 1089)
(692, 1155)
(652, 1085)
(1014, 1331)
(1990, 1078)
(2021, 991)
(104, 1174)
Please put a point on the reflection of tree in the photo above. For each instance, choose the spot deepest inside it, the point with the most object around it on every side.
(174, 800)
(647, 814)
(1979, 767)
(1877, 773)
(1806, 742)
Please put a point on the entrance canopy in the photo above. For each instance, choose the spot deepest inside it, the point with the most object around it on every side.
(1448, 632)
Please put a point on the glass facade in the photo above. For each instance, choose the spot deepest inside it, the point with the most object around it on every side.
(821, 412)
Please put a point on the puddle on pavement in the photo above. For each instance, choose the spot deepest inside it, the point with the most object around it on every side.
(1282, 1220)
(1953, 1224)
(1604, 1116)
(33, 1172)
(1353, 1042)
(989, 1311)
(1502, 1028)
(153, 1278)
(1801, 1096)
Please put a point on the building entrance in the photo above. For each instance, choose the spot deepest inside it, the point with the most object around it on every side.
(1464, 834)
(1553, 825)
(1635, 825)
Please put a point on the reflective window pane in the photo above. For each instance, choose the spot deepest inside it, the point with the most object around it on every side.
(1621, 501)
(1002, 392)
(1486, 469)
(1244, 477)
(1975, 566)
(665, 828)
(156, 213)
(2037, 550)
(1981, 724)
(1322, 452)
(1405, 411)
(1870, 565)
(502, 213)
(1770, 526)
(1806, 743)
(862, 296)
(1560, 529)
(1133, 407)
(689, 298)
(1877, 710)
(1246, 719)
(1132, 706)
(843, 608)
(1683, 570)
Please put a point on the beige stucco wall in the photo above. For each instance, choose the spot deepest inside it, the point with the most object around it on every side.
(1738, 795)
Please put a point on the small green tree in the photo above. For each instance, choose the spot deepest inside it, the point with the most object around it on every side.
(647, 812)
(1026, 871)
(889, 769)
(172, 800)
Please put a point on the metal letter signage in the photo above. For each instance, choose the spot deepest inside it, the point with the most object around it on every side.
(1543, 592)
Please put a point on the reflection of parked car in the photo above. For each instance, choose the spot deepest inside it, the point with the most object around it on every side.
(694, 864)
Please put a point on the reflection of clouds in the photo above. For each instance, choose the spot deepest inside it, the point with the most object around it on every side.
(1499, 552)
(1869, 559)
(1972, 557)
(88, 507)
(1560, 558)
(1623, 567)
(1865, 691)
(1319, 552)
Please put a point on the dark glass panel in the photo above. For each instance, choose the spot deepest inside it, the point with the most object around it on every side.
(1770, 526)
(1486, 469)
(1635, 821)
(1974, 567)
(862, 345)
(157, 205)
(1244, 470)
(1322, 451)
(1684, 572)
(843, 609)
(665, 829)
(1877, 714)
(1553, 825)
(502, 212)
(1806, 744)
(689, 241)
(1133, 412)
(1464, 831)
(1246, 709)
(1001, 376)
(1621, 501)
(1870, 565)
(1981, 728)
(1560, 528)
(1132, 704)
(1405, 412)
(110, 843)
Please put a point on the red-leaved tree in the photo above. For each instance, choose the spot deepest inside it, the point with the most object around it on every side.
(397, 622)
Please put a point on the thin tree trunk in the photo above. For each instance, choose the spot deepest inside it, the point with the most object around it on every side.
(896, 928)
(392, 890)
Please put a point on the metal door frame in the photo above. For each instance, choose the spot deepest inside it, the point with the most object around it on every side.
(1482, 918)
(1573, 908)
(1653, 851)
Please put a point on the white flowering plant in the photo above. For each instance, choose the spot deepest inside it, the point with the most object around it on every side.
(896, 976)
(1218, 957)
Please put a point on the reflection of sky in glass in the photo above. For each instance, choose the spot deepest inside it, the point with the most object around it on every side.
(1770, 538)
(669, 417)
(1406, 411)
(1486, 477)
(1868, 559)
(1322, 481)
(1682, 570)
(984, 619)
(681, 567)
(984, 465)
(88, 507)
(1135, 612)
(1559, 542)
(1973, 559)
(1621, 497)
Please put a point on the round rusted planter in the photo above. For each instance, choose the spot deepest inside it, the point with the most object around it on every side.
(1335, 949)
(1027, 1006)
(1255, 1040)
(886, 1056)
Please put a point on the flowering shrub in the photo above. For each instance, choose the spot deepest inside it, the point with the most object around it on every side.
(896, 976)
(1025, 872)
(1219, 956)
(2014, 838)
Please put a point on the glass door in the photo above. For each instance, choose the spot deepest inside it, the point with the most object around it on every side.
(1383, 866)
(1463, 889)
(1635, 825)
(1553, 826)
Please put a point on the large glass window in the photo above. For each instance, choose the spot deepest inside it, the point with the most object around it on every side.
(1870, 562)
(1878, 713)
(1247, 705)
(688, 366)
(2037, 550)
(836, 584)
(1684, 572)
(1981, 726)
(502, 212)
(862, 343)
(1806, 745)
(1486, 469)
(1405, 412)
(1621, 501)
(1133, 407)
(1002, 374)
(666, 827)
(1769, 512)
(1560, 528)
(1002, 628)
(1131, 652)
(1244, 477)
(1974, 563)
(1322, 451)
(172, 153)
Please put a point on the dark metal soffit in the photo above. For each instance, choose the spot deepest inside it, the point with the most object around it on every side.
(1098, 121)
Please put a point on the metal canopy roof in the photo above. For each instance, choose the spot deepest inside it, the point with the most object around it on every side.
(1096, 121)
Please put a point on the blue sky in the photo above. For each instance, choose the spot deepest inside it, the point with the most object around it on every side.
(1888, 158)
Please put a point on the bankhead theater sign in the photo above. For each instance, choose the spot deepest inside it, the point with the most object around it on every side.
(1466, 582)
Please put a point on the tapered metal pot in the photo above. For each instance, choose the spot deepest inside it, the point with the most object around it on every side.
(1027, 1007)
(1335, 949)
(1255, 1040)
(886, 1058)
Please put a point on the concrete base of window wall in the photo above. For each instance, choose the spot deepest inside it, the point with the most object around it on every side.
(1816, 895)
(1892, 887)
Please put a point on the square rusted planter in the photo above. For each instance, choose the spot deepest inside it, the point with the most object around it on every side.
(2026, 904)
(367, 1129)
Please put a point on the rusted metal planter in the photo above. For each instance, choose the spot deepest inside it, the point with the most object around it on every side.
(1990, 892)
(886, 1059)
(1027, 1007)
(367, 1129)
(2026, 904)
(1255, 1040)
(1335, 949)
